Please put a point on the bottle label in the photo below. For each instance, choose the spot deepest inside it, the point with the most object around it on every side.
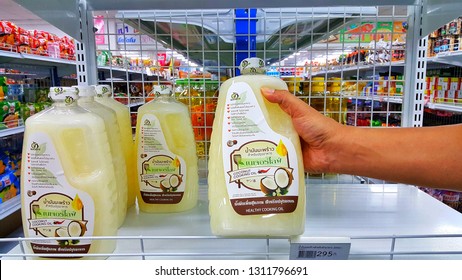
(259, 163)
(161, 172)
(53, 207)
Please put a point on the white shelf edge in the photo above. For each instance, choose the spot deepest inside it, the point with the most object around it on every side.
(11, 131)
(17, 74)
(119, 69)
(10, 206)
(47, 59)
(35, 57)
(395, 99)
(358, 67)
(445, 107)
(451, 58)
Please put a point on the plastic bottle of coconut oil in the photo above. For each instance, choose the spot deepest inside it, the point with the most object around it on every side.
(104, 96)
(256, 178)
(68, 187)
(87, 101)
(166, 155)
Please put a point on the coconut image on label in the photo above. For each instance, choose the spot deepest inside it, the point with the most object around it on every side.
(76, 229)
(61, 232)
(170, 184)
(278, 184)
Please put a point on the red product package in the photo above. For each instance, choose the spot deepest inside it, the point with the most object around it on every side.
(7, 27)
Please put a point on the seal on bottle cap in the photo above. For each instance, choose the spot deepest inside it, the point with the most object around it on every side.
(85, 90)
(252, 65)
(103, 90)
(68, 94)
(162, 89)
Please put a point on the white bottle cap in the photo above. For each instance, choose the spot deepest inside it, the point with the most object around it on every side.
(162, 89)
(68, 94)
(103, 90)
(252, 66)
(85, 90)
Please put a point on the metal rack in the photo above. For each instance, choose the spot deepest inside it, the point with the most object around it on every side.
(261, 248)
(209, 41)
(381, 221)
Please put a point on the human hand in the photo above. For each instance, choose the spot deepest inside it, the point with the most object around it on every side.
(319, 135)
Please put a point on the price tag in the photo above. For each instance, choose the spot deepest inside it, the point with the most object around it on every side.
(319, 248)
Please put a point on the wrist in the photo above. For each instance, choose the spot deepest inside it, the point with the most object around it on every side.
(342, 150)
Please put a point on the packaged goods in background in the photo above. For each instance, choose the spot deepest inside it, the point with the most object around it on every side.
(451, 199)
(256, 178)
(104, 96)
(68, 186)
(87, 101)
(166, 155)
(10, 167)
(37, 42)
(201, 98)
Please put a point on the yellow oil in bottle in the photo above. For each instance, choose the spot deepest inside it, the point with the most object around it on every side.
(256, 180)
(68, 186)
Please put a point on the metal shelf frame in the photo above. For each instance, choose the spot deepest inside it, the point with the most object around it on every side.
(383, 221)
(79, 12)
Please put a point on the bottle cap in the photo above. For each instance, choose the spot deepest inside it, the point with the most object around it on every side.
(103, 90)
(85, 90)
(68, 94)
(252, 66)
(162, 89)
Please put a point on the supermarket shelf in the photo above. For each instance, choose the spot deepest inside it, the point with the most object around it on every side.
(10, 206)
(360, 68)
(27, 61)
(120, 70)
(119, 74)
(34, 59)
(17, 74)
(373, 216)
(11, 131)
(394, 99)
(451, 58)
(445, 107)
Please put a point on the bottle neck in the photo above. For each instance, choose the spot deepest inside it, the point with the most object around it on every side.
(165, 97)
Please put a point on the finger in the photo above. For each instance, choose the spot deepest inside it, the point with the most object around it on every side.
(287, 101)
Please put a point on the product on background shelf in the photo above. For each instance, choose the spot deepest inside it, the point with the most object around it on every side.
(256, 179)
(29, 109)
(19, 101)
(384, 85)
(451, 199)
(446, 38)
(10, 167)
(9, 113)
(336, 106)
(16, 39)
(87, 101)
(104, 96)
(444, 89)
(201, 97)
(67, 162)
(166, 155)
(148, 91)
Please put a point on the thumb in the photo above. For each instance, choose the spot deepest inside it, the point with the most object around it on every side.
(288, 102)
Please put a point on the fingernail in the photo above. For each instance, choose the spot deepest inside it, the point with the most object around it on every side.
(267, 90)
